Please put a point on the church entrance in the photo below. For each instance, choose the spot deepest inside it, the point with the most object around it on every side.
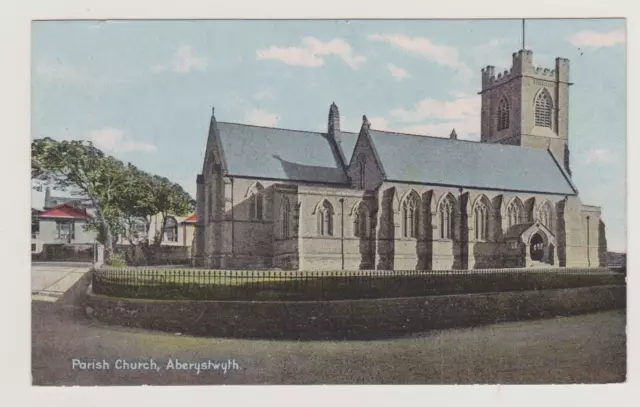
(536, 247)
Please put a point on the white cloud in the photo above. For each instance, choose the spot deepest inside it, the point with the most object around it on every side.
(113, 140)
(261, 117)
(422, 46)
(594, 39)
(397, 72)
(462, 108)
(312, 53)
(185, 59)
(378, 123)
(436, 118)
(599, 155)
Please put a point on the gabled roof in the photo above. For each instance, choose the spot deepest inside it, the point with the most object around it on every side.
(65, 211)
(190, 219)
(263, 152)
(347, 143)
(460, 163)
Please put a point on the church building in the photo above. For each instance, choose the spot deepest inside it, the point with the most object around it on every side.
(335, 200)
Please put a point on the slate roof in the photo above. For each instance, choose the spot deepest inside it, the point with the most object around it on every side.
(517, 230)
(254, 151)
(440, 161)
(281, 154)
(347, 142)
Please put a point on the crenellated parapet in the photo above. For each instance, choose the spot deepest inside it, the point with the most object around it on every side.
(489, 79)
(522, 65)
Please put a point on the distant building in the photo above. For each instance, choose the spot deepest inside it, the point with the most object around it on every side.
(63, 224)
(51, 201)
(178, 231)
(270, 197)
(62, 221)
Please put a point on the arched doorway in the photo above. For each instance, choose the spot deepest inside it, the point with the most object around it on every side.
(536, 247)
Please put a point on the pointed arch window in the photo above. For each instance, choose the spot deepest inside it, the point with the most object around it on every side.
(362, 160)
(446, 218)
(544, 214)
(543, 109)
(410, 216)
(171, 229)
(481, 215)
(503, 114)
(515, 212)
(361, 221)
(325, 219)
(285, 216)
(256, 202)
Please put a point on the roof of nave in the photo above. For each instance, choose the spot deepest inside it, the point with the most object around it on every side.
(444, 161)
(295, 155)
(272, 153)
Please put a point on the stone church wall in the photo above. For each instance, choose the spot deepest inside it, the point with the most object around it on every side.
(257, 243)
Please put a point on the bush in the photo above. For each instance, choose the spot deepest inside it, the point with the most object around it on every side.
(116, 260)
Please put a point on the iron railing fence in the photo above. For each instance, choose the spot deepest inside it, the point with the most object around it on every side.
(270, 285)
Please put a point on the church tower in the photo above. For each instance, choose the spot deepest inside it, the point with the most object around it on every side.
(527, 106)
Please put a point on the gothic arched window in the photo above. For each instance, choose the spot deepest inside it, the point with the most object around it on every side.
(256, 202)
(503, 114)
(171, 229)
(543, 107)
(285, 215)
(481, 215)
(544, 214)
(362, 159)
(515, 212)
(410, 216)
(361, 221)
(325, 219)
(446, 218)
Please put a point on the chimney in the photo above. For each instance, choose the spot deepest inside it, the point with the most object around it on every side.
(47, 197)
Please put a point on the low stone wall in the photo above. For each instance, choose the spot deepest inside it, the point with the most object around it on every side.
(351, 319)
(83, 252)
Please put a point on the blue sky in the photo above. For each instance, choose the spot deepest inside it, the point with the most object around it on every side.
(143, 90)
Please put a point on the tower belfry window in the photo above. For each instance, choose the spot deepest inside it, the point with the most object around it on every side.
(543, 109)
(503, 114)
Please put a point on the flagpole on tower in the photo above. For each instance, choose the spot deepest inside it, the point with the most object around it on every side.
(523, 33)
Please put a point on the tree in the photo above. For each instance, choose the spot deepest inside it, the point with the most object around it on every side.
(86, 171)
(121, 194)
(35, 221)
(152, 196)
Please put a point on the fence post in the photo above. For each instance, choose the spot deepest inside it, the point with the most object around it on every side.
(98, 256)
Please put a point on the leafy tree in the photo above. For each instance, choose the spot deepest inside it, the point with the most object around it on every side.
(152, 196)
(79, 167)
(121, 194)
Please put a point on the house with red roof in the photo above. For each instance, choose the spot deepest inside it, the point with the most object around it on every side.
(64, 224)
